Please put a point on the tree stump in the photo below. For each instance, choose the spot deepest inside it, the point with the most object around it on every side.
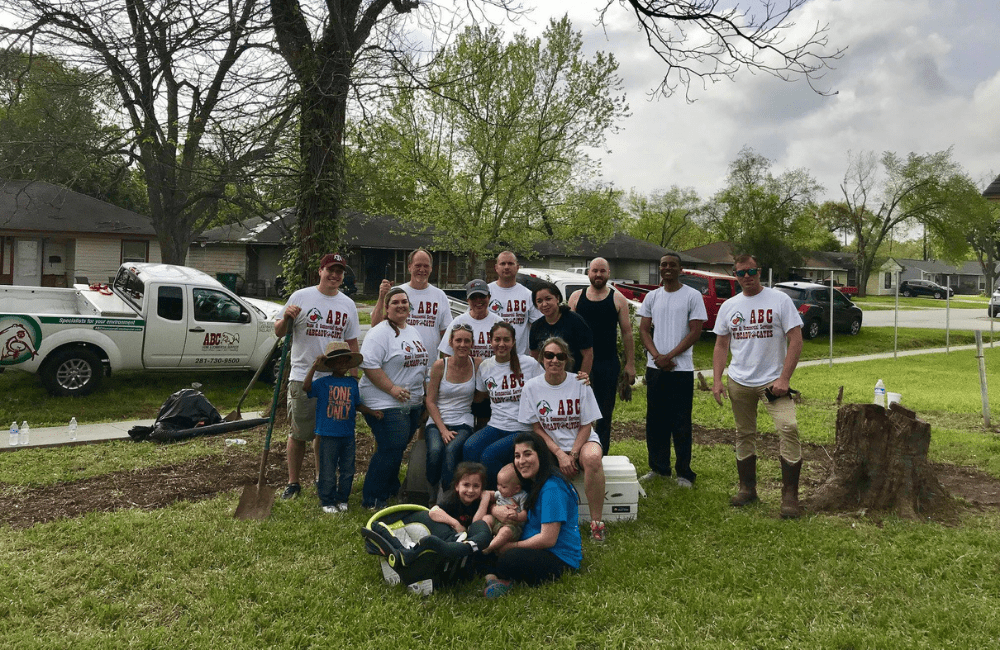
(880, 463)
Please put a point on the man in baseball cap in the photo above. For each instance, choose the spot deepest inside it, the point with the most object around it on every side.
(479, 318)
(318, 315)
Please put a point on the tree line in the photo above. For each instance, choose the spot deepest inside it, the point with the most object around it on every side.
(778, 217)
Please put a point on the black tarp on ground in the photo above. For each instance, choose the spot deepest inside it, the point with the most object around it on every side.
(186, 414)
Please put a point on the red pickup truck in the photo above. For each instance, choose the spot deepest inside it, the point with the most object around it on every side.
(715, 288)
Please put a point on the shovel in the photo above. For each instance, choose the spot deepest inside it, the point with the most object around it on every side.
(236, 415)
(258, 499)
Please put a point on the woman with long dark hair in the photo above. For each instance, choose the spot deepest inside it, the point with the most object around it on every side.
(500, 378)
(550, 543)
(559, 320)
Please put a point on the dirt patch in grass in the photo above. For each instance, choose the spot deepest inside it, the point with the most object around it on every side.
(204, 478)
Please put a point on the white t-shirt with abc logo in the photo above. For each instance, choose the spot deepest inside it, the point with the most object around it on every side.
(430, 312)
(561, 410)
(403, 358)
(481, 348)
(756, 329)
(504, 389)
(323, 319)
(513, 305)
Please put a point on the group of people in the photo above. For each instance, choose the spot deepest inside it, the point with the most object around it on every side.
(519, 392)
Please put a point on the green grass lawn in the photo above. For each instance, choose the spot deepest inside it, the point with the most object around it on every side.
(123, 396)
(691, 572)
(957, 302)
(871, 340)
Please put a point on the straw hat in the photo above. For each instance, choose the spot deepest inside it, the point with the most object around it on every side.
(340, 357)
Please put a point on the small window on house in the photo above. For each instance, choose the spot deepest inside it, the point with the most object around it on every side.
(135, 251)
(170, 303)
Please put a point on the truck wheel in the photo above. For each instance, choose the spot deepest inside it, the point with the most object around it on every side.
(811, 330)
(267, 375)
(72, 371)
(855, 327)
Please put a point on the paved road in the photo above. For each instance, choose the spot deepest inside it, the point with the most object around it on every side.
(933, 318)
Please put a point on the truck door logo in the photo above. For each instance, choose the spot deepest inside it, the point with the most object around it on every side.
(19, 340)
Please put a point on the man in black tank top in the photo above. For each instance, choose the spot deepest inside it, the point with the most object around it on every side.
(605, 311)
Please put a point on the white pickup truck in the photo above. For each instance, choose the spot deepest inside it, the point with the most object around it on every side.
(153, 317)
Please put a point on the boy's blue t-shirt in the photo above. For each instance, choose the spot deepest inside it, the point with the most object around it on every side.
(557, 502)
(337, 400)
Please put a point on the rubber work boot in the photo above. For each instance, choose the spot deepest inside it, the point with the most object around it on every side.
(790, 489)
(747, 469)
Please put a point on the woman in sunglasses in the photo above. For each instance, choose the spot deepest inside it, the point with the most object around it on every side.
(450, 390)
(562, 411)
(501, 379)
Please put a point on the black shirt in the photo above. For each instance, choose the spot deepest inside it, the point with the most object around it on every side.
(602, 318)
(570, 328)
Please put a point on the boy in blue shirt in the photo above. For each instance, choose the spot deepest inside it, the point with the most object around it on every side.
(337, 403)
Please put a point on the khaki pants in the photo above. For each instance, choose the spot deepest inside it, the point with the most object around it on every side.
(781, 410)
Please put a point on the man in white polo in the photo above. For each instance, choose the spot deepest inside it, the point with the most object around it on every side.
(430, 311)
(318, 315)
(511, 301)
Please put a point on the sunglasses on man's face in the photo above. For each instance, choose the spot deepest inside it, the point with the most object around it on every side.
(555, 355)
(750, 272)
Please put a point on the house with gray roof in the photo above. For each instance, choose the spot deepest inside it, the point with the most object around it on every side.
(629, 258)
(966, 279)
(51, 236)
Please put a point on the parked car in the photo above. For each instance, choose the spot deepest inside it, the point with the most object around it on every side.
(924, 288)
(813, 302)
(715, 288)
(567, 281)
(993, 309)
(578, 269)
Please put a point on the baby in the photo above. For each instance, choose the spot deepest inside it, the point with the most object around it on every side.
(507, 513)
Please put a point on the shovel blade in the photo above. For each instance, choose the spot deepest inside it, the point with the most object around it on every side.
(235, 416)
(255, 502)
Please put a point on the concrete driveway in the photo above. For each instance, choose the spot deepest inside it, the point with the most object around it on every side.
(932, 318)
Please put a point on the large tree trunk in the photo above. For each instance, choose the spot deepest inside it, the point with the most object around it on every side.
(880, 463)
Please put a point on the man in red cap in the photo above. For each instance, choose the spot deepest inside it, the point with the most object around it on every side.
(319, 315)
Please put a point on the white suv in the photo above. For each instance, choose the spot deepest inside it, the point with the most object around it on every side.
(994, 307)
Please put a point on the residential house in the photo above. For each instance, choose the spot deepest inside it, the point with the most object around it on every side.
(52, 237)
(965, 279)
(628, 258)
(376, 247)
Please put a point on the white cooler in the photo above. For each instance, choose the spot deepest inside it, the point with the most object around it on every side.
(621, 491)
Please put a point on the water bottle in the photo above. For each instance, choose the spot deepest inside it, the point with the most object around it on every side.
(72, 429)
(14, 434)
(880, 393)
(25, 431)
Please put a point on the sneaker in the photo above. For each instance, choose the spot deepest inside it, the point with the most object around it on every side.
(291, 491)
(342, 507)
(651, 475)
(597, 531)
(376, 506)
(332, 510)
(495, 587)
(684, 483)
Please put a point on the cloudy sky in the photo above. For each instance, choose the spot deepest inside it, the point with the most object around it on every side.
(918, 75)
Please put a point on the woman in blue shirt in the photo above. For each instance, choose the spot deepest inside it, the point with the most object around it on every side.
(550, 543)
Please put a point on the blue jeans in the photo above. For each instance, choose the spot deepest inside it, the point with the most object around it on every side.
(492, 447)
(336, 453)
(442, 459)
(392, 434)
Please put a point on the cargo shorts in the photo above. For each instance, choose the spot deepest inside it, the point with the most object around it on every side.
(301, 412)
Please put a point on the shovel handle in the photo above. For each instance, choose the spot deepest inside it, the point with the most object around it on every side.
(274, 407)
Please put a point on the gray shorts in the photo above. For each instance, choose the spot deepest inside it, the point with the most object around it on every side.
(301, 412)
